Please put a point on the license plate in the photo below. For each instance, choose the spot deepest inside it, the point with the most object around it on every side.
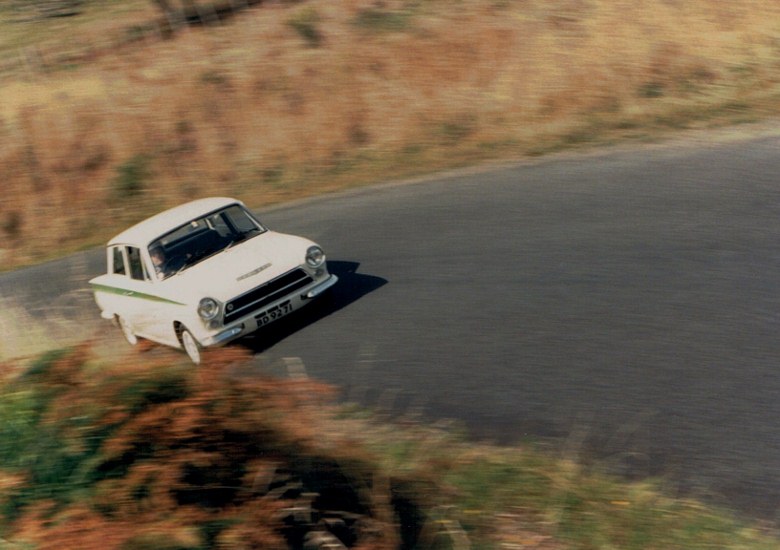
(274, 313)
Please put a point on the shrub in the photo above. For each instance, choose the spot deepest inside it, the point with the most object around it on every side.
(200, 458)
(457, 128)
(214, 77)
(12, 224)
(132, 175)
(305, 24)
(652, 89)
(379, 20)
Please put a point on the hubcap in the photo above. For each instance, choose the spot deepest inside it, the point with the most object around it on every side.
(131, 338)
(191, 347)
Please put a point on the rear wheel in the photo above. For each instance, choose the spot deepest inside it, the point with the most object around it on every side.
(190, 345)
(127, 331)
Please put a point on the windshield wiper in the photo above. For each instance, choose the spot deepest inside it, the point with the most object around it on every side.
(241, 237)
(194, 259)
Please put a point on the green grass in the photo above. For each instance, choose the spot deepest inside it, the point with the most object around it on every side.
(589, 510)
(441, 484)
(523, 493)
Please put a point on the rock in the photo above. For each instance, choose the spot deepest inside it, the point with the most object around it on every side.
(338, 527)
(322, 540)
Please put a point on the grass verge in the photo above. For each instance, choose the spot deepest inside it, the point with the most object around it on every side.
(145, 452)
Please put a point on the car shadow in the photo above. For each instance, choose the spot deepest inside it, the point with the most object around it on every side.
(351, 287)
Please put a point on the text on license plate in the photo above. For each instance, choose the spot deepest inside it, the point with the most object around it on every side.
(274, 313)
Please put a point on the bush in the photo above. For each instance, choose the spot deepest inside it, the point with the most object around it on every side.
(131, 178)
(198, 457)
(652, 89)
(375, 19)
(152, 454)
(305, 24)
(12, 224)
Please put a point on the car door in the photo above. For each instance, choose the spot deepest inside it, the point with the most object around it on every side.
(131, 288)
(154, 311)
(116, 289)
(109, 288)
(149, 309)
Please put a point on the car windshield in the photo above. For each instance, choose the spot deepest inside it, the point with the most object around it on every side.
(201, 238)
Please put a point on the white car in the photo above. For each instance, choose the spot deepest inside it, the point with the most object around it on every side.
(205, 273)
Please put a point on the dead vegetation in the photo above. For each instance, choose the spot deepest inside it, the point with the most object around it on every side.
(145, 452)
(148, 454)
(104, 125)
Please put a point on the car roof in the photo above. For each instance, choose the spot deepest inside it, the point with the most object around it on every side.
(142, 233)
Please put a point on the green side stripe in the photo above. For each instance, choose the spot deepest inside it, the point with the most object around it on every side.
(133, 294)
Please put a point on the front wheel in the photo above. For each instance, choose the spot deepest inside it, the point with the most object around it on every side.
(191, 346)
(127, 331)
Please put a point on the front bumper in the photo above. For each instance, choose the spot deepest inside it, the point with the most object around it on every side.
(321, 287)
(249, 323)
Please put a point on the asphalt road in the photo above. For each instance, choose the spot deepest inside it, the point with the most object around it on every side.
(623, 304)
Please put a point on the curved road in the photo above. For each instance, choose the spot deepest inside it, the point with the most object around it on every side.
(625, 303)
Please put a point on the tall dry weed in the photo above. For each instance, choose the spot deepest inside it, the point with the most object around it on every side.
(255, 109)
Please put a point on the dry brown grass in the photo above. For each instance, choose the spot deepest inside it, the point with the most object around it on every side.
(255, 109)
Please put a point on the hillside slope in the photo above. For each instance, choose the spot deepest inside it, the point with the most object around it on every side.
(108, 118)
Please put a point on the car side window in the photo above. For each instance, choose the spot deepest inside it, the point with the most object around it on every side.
(118, 261)
(137, 270)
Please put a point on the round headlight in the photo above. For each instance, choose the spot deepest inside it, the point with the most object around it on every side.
(315, 257)
(208, 309)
